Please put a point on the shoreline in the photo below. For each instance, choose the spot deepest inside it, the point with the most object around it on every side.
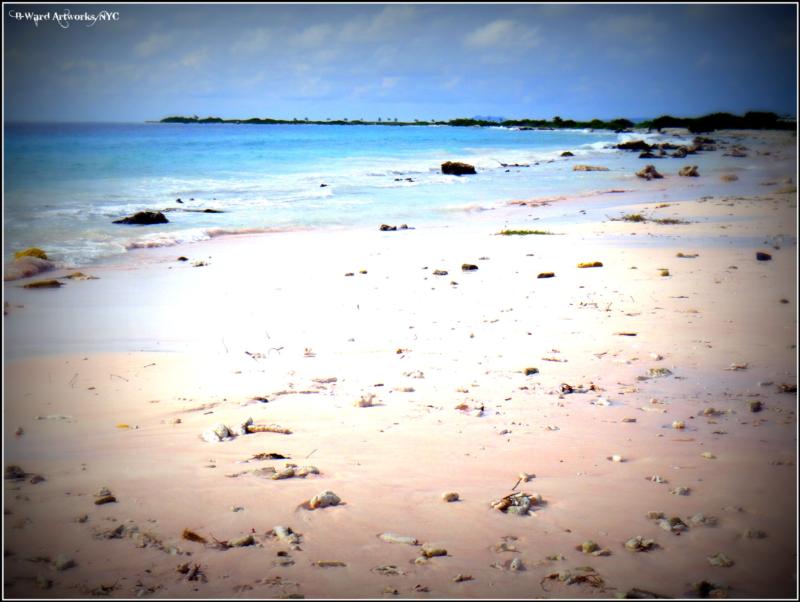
(111, 382)
(489, 190)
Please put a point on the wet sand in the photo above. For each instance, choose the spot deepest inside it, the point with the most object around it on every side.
(112, 381)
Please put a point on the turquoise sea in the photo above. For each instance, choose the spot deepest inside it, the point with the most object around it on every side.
(66, 183)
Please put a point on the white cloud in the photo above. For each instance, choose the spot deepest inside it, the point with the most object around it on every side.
(625, 25)
(385, 24)
(194, 59)
(313, 36)
(253, 41)
(451, 83)
(153, 44)
(504, 33)
(312, 87)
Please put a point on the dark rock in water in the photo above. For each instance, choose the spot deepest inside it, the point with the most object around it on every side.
(689, 170)
(403, 227)
(634, 145)
(680, 153)
(648, 155)
(182, 258)
(457, 169)
(179, 201)
(387, 228)
(761, 256)
(755, 406)
(440, 272)
(649, 172)
(700, 140)
(144, 218)
(469, 267)
(546, 275)
(323, 185)
(567, 154)
(212, 211)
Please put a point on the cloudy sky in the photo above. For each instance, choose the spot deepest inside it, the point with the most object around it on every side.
(405, 61)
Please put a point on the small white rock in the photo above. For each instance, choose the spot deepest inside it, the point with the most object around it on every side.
(218, 432)
(324, 499)
(242, 429)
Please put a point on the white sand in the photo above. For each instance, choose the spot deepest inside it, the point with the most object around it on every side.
(269, 314)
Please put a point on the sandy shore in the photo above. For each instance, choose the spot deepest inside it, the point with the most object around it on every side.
(110, 383)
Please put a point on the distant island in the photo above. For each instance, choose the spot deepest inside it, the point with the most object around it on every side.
(752, 120)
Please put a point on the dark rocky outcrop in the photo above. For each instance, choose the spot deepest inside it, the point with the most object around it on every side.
(634, 145)
(144, 218)
(648, 155)
(688, 170)
(567, 154)
(761, 256)
(469, 267)
(455, 168)
(679, 153)
(648, 172)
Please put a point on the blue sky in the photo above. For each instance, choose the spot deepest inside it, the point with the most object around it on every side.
(400, 61)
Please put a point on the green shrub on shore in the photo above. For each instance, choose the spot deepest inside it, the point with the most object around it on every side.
(633, 217)
(523, 232)
(669, 221)
(639, 218)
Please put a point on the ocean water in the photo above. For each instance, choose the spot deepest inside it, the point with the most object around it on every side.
(66, 183)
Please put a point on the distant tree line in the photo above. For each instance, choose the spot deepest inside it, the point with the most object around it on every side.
(752, 120)
(755, 120)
